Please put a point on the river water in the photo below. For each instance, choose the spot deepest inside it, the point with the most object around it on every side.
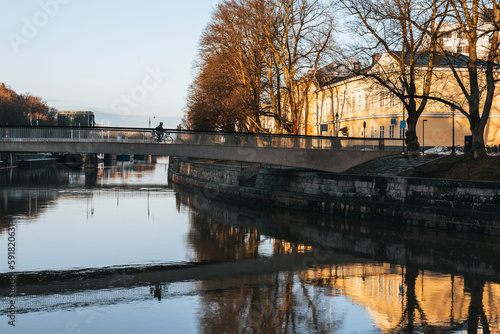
(118, 250)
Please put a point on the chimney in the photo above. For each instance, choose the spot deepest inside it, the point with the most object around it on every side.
(375, 58)
(351, 63)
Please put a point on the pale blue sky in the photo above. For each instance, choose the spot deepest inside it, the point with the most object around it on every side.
(126, 60)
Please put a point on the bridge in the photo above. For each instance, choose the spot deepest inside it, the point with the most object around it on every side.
(330, 154)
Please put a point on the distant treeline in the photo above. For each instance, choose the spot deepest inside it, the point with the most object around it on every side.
(24, 109)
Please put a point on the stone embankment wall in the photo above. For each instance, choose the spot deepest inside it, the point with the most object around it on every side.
(462, 205)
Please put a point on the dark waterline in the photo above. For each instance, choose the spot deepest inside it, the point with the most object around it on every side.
(116, 249)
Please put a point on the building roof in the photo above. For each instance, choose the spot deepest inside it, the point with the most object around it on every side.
(457, 59)
(332, 73)
(336, 72)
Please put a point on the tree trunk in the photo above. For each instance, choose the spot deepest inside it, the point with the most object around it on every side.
(411, 138)
(478, 147)
(295, 127)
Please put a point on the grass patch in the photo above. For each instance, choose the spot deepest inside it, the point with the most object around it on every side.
(463, 167)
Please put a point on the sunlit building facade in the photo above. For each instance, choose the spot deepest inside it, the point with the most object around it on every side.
(344, 104)
(341, 103)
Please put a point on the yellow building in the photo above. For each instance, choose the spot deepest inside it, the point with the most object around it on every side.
(343, 104)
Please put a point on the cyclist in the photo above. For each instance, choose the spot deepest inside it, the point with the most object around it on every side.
(159, 131)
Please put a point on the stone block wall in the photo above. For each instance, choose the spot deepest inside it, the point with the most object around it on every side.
(213, 172)
(468, 195)
(466, 204)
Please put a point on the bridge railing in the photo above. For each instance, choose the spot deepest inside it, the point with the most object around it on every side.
(74, 134)
(145, 135)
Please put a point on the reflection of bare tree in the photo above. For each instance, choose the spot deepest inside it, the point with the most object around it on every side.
(414, 316)
(270, 303)
(280, 302)
(413, 297)
(212, 241)
(476, 308)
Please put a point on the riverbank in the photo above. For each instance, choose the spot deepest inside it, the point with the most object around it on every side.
(458, 167)
(463, 167)
(447, 204)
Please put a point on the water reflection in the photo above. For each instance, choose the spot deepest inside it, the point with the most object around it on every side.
(427, 286)
(29, 192)
(226, 268)
(25, 193)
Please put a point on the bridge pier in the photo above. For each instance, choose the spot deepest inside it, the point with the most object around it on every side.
(8, 159)
(91, 160)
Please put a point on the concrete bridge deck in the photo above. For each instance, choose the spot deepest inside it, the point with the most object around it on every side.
(331, 154)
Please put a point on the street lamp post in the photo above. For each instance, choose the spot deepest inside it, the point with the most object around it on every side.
(423, 136)
(403, 124)
(364, 134)
(453, 130)
(336, 124)
(402, 127)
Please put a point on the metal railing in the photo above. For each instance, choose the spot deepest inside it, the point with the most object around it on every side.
(145, 135)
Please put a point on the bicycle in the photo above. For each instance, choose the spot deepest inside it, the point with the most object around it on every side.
(162, 137)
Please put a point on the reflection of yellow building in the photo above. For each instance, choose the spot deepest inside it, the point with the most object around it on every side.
(381, 289)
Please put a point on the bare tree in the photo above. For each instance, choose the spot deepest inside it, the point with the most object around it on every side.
(298, 37)
(213, 103)
(233, 34)
(394, 27)
(225, 94)
(479, 22)
(271, 50)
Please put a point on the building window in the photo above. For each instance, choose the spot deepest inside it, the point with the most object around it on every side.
(463, 49)
(373, 97)
(353, 103)
(401, 133)
(324, 109)
(360, 101)
(329, 105)
(381, 134)
(367, 96)
(382, 98)
(392, 99)
(373, 131)
(391, 131)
